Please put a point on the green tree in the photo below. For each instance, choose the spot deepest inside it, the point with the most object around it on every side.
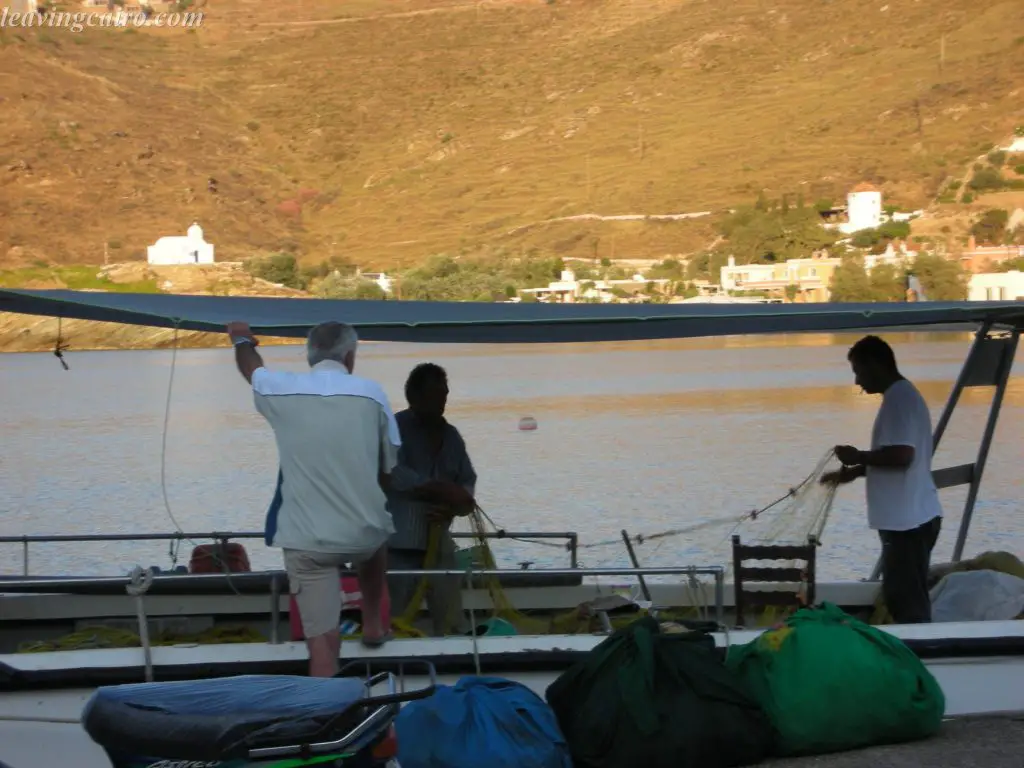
(669, 269)
(850, 281)
(339, 264)
(1013, 265)
(776, 234)
(991, 227)
(881, 236)
(941, 279)
(280, 268)
(887, 283)
(707, 266)
(336, 286)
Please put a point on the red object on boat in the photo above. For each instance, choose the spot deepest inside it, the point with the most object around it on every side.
(351, 599)
(216, 558)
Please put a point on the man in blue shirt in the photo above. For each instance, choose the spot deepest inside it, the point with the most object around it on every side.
(433, 482)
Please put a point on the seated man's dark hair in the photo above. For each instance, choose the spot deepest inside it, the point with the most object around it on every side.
(421, 374)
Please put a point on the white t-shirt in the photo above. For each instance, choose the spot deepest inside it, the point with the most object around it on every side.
(900, 499)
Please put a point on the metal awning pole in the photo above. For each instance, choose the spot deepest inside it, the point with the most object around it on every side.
(958, 386)
(1003, 377)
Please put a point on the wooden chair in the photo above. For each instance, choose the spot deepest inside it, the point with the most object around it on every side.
(784, 598)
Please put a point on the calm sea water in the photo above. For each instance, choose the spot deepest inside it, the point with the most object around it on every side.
(645, 436)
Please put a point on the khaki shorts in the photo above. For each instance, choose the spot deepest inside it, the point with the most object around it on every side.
(315, 582)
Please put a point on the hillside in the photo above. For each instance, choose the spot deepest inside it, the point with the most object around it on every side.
(382, 131)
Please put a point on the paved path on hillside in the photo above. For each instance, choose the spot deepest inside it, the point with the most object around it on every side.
(477, 6)
(616, 217)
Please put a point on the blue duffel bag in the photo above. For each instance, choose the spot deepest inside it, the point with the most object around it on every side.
(481, 721)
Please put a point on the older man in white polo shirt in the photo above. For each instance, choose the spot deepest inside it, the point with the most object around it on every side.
(338, 442)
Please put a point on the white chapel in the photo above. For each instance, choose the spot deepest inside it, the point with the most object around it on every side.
(190, 249)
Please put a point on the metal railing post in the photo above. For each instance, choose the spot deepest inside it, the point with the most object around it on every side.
(720, 597)
(275, 610)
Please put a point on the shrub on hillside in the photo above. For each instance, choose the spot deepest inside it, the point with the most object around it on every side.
(291, 209)
(987, 180)
(280, 269)
(997, 158)
(991, 227)
(881, 236)
(335, 286)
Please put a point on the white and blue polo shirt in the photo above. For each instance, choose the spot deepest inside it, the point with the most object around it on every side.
(335, 433)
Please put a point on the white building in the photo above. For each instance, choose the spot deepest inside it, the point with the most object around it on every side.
(996, 286)
(380, 279)
(568, 289)
(1016, 145)
(863, 209)
(190, 249)
(896, 254)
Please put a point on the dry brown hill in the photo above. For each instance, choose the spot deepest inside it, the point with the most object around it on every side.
(386, 130)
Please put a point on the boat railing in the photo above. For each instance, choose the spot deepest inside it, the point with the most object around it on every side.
(140, 583)
(571, 539)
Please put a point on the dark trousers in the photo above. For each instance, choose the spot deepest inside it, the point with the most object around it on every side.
(444, 593)
(905, 560)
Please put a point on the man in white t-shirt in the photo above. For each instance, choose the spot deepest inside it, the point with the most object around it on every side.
(903, 502)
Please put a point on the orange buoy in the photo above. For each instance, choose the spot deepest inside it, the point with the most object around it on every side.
(527, 424)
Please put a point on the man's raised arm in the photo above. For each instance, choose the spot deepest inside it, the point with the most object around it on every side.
(246, 357)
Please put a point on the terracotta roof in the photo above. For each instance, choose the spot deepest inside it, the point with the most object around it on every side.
(865, 187)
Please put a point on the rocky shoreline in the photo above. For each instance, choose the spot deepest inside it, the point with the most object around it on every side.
(32, 333)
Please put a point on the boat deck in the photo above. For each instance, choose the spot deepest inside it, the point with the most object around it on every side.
(970, 742)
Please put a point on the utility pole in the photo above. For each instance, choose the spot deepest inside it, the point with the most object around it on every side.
(106, 253)
(640, 128)
(942, 53)
(588, 176)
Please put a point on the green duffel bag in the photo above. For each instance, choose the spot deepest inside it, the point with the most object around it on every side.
(644, 698)
(830, 683)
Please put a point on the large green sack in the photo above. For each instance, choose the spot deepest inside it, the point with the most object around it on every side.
(648, 699)
(830, 682)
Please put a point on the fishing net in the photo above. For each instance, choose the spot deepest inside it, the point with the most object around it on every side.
(794, 518)
(798, 515)
(502, 609)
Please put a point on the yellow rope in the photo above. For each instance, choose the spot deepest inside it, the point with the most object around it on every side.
(403, 625)
(112, 637)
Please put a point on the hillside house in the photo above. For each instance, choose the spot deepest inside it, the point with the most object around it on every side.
(569, 290)
(897, 253)
(809, 277)
(983, 258)
(996, 286)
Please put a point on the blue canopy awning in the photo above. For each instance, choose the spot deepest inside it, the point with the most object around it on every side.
(478, 322)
